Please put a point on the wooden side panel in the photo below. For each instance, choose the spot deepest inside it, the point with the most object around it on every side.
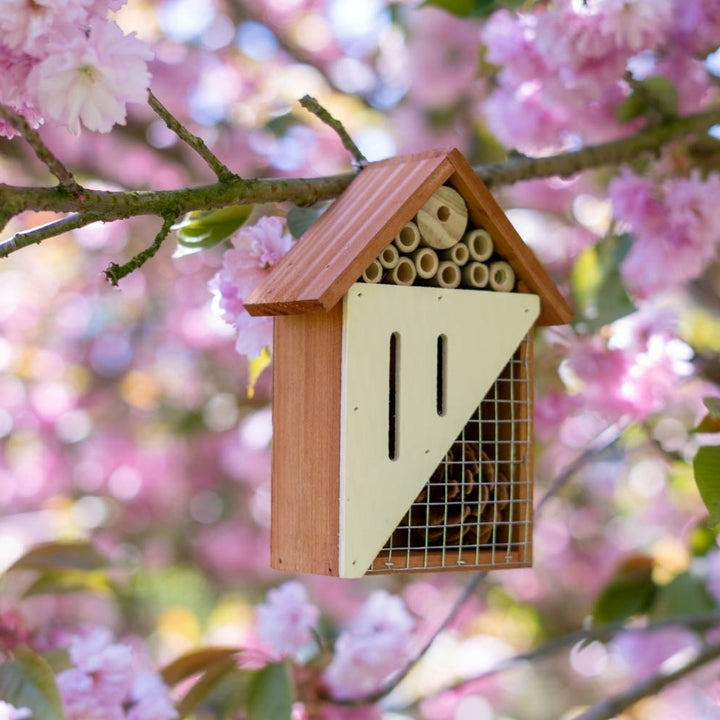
(337, 249)
(306, 449)
(485, 212)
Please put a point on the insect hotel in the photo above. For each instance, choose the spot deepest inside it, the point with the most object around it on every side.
(403, 377)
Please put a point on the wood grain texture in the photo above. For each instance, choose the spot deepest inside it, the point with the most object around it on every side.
(306, 446)
(384, 196)
(356, 228)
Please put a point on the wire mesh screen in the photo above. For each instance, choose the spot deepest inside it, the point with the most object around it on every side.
(476, 509)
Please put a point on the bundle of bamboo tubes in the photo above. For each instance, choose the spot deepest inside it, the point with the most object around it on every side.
(438, 248)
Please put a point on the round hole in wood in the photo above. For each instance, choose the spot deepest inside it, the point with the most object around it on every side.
(500, 276)
(407, 236)
(443, 213)
(427, 262)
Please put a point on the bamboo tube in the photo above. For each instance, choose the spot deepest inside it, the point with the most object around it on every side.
(373, 273)
(389, 257)
(458, 253)
(408, 238)
(447, 275)
(479, 244)
(404, 273)
(475, 275)
(426, 262)
(442, 219)
(502, 276)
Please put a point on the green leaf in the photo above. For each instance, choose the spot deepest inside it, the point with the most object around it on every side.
(631, 108)
(195, 662)
(467, 8)
(54, 582)
(711, 422)
(299, 219)
(713, 406)
(630, 591)
(29, 682)
(662, 94)
(204, 229)
(654, 96)
(686, 593)
(707, 477)
(61, 556)
(270, 695)
(201, 692)
(597, 286)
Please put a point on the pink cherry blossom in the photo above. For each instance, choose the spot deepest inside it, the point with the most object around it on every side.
(148, 699)
(254, 250)
(90, 77)
(375, 645)
(642, 653)
(635, 24)
(104, 683)
(676, 227)
(25, 25)
(286, 620)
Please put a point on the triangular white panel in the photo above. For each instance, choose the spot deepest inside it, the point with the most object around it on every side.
(482, 330)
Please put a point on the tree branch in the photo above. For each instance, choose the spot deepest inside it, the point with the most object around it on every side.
(615, 152)
(117, 205)
(313, 106)
(41, 150)
(116, 272)
(612, 707)
(701, 621)
(42, 232)
(196, 143)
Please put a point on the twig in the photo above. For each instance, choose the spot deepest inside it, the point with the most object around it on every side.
(313, 106)
(41, 150)
(600, 445)
(612, 707)
(25, 238)
(599, 632)
(467, 592)
(116, 272)
(224, 174)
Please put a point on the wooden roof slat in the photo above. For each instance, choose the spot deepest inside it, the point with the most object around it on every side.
(337, 248)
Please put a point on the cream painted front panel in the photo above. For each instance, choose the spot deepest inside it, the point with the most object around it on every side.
(483, 330)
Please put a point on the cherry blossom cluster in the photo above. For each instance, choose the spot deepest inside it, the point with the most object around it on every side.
(67, 62)
(562, 71)
(255, 249)
(628, 372)
(676, 226)
(376, 644)
(105, 684)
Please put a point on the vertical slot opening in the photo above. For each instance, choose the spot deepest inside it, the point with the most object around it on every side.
(393, 382)
(441, 376)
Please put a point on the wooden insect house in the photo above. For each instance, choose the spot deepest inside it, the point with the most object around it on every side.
(403, 377)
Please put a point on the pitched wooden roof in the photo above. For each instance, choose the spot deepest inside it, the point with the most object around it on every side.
(385, 195)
